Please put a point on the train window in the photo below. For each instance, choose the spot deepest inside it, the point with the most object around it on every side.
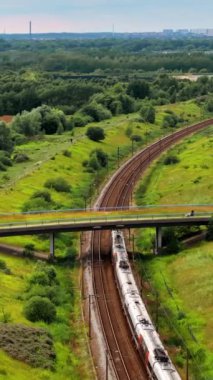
(160, 355)
(145, 322)
(123, 264)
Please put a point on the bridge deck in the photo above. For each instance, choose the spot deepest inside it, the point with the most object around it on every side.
(27, 224)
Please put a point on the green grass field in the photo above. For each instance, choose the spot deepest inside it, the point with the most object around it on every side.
(184, 280)
(68, 331)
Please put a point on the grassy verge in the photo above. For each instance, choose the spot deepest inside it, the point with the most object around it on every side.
(184, 280)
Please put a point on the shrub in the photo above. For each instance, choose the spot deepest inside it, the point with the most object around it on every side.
(97, 111)
(209, 235)
(171, 159)
(3, 265)
(42, 194)
(40, 309)
(20, 157)
(170, 120)
(50, 292)
(95, 133)
(136, 138)
(80, 120)
(147, 114)
(58, 184)
(29, 250)
(39, 277)
(67, 153)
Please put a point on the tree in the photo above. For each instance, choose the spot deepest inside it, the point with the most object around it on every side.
(40, 309)
(95, 133)
(6, 142)
(97, 111)
(148, 114)
(138, 89)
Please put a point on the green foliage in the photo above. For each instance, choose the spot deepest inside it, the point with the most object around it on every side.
(209, 235)
(67, 153)
(170, 120)
(97, 111)
(42, 194)
(6, 142)
(95, 133)
(80, 120)
(147, 114)
(3, 264)
(41, 119)
(98, 159)
(171, 159)
(138, 89)
(136, 138)
(209, 105)
(29, 250)
(40, 309)
(20, 157)
(59, 184)
(170, 240)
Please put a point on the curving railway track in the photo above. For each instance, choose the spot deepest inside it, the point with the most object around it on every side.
(124, 357)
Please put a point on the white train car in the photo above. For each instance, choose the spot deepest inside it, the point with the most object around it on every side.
(154, 355)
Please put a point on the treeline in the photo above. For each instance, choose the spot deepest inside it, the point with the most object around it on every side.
(110, 56)
(26, 90)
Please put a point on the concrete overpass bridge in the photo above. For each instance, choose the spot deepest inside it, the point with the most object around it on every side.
(67, 221)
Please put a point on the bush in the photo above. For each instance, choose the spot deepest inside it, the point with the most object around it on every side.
(40, 309)
(97, 111)
(3, 265)
(67, 153)
(171, 159)
(39, 277)
(147, 114)
(50, 292)
(58, 184)
(29, 250)
(209, 235)
(170, 120)
(136, 138)
(95, 133)
(42, 194)
(20, 157)
(80, 120)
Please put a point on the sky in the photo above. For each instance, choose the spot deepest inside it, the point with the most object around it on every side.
(100, 15)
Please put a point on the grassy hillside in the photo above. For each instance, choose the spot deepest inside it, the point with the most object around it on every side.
(68, 331)
(184, 281)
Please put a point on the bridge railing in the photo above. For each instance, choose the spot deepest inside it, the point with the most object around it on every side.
(103, 218)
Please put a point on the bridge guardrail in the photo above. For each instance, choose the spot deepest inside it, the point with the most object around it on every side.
(106, 218)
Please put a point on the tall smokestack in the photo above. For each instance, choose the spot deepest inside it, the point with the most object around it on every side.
(30, 28)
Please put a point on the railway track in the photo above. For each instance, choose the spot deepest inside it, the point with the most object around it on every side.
(124, 357)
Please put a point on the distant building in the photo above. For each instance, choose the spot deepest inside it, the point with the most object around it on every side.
(168, 32)
(199, 31)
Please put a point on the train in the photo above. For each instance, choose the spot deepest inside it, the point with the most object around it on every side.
(156, 359)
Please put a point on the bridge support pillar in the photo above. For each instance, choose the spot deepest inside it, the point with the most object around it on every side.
(158, 240)
(52, 245)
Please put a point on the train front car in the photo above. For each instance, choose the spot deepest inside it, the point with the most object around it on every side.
(148, 343)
